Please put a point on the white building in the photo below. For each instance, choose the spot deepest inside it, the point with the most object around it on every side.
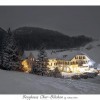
(79, 63)
(73, 62)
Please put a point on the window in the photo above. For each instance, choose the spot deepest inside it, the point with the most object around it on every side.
(80, 57)
(86, 62)
(83, 57)
(75, 57)
(73, 62)
(65, 63)
(76, 62)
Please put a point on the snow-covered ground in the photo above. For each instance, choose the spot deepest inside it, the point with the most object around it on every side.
(22, 83)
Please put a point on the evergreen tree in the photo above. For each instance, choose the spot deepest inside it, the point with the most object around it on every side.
(42, 61)
(57, 73)
(4, 43)
(10, 53)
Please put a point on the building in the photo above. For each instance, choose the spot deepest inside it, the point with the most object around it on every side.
(27, 63)
(72, 63)
(77, 64)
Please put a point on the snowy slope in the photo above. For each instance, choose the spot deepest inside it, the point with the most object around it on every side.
(94, 52)
(22, 83)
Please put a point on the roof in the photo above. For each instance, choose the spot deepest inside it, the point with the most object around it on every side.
(66, 55)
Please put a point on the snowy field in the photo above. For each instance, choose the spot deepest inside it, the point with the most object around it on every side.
(22, 83)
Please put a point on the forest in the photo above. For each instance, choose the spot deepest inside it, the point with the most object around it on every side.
(30, 38)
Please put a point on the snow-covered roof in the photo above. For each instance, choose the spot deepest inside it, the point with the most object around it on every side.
(69, 55)
(66, 55)
(24, 56)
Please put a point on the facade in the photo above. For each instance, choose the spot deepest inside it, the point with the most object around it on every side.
(53, 63)
(79, 63)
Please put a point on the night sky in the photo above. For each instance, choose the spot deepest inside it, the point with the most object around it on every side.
(68, 20)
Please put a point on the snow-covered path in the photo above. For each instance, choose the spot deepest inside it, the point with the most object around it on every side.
(22, 83)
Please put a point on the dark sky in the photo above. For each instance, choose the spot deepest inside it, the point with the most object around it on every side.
(68, 20)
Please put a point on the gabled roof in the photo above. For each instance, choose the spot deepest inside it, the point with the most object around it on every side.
(69, 55)
(65, 55)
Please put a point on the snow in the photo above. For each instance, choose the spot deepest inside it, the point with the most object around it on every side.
(68, 75)
(23, 83)
(98, 67)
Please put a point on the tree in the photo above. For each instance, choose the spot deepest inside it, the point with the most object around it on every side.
(56, 72)
(42, 61)
(10, 52)
(4, 43)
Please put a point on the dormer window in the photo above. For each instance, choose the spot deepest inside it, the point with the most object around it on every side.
(83, 57)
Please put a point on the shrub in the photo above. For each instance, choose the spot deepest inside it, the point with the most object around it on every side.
(84, 76)
(75, 77)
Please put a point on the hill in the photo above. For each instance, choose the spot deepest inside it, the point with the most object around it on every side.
(31, 38)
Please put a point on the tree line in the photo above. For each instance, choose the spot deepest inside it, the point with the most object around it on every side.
(31, 38)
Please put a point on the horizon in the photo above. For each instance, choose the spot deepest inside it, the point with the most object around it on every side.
(69, 20)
